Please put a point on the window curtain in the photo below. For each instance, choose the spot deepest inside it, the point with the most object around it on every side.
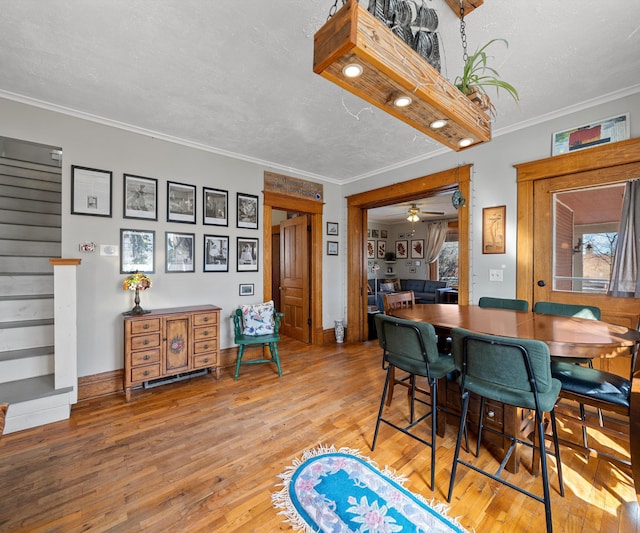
(436, 235)
(626, 259)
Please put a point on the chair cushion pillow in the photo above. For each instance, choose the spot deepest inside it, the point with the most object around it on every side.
(387, 287)
(593, 383)
(258, 318)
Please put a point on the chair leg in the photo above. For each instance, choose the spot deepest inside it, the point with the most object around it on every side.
(384, 394)
(554, 429)
(480, 426)
(434, 423)
(545, 474)
(461, 431)
(239, 360)
(273, 347)
(392, 383)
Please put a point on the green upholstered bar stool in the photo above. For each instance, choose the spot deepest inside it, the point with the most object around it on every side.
(515, 372)
(503, 303)
(411, 346)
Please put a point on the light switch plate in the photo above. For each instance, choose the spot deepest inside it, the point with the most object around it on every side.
(496, 274)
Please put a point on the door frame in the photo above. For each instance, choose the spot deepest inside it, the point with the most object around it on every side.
(406, 191)
(314, 211)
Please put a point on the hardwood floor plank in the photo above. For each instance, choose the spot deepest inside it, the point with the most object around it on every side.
(204, 455)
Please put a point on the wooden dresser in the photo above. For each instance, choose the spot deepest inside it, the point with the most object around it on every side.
(167, 342)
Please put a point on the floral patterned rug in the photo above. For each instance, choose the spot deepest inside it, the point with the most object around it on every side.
(341, 491)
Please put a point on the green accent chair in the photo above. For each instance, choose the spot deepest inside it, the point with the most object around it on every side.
(503, 303)
(512, 371)
(262, 341)
(411, 346)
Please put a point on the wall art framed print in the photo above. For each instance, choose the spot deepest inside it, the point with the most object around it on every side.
(91, 191)
(179, 252)
(417, 249)
(332, 228)
(216, 253)
(371, 249)
(332, 248)
(246, 289)
(247, 207)
(137, 251)
(247, 253)
(215, 207)
(181, 203)
(604, 131)
(381, 249)
(140, 197)
(402, 249)
(493, 230)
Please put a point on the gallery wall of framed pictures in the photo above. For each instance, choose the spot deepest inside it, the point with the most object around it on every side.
(92, 195)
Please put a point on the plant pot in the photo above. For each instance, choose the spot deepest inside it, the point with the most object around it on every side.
(481, 100)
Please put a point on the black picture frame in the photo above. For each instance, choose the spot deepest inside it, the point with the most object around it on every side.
(215, 207)
(91, 191)
(216, 253)
(139, 197)
(246, 289)
(332, 248)
(332, 228)
(137, 251)
(247, 255)
(247, 211)
(181, 202)
(179, 252)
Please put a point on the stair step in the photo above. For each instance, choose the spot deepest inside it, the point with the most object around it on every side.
(26, 297)
(10, 355)
(25, 265)
(20, 338)
(26, 308)
(26, 323)
(26, 285)
(25, 390)
(32, 249)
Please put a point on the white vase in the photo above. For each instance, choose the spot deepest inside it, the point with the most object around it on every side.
(339, 329)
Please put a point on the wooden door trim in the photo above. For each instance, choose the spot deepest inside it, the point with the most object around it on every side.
(314, 210)
(357, 206)
(592, 159)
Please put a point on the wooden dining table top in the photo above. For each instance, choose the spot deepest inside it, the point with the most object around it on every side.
(565, 336)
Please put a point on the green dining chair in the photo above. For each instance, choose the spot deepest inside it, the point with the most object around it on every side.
(516, 372)
(503, 303)
(411, 347)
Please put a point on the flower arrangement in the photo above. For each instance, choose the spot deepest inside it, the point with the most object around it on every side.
(137, 281)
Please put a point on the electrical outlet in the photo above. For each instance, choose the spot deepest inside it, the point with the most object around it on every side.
(496, 274)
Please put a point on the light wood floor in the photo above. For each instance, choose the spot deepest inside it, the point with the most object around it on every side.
(204, 455)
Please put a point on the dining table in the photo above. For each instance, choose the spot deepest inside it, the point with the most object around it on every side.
(565, 336)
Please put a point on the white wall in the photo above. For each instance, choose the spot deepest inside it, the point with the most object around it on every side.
(101, 299)
(494, 183)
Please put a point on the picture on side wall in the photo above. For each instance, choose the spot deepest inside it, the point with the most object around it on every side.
(181, 203)
(137, 251)
(332, 248)
(417, 249)
(90, 191)
(216, 253)
(247, 206)
(246, 289)
(371, 249)
(180, 252)
(402, 249)
(247, 254)
(493, 241)
(381, 247)
(215, 207)
(140, 197)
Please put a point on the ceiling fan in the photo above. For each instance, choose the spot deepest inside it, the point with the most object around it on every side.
(414, 211)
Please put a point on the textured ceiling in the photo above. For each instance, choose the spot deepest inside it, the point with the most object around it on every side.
(236, 76)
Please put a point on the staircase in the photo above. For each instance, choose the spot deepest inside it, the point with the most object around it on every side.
(30, 234)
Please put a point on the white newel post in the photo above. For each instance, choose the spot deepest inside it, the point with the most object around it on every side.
(65, 324)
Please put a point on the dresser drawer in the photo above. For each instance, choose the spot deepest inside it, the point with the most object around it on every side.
(208, 332)
(145, 373)
(145, 357)
(210, 359)
(205, 319)
(205, 346)
(147, 325)
(145, 341)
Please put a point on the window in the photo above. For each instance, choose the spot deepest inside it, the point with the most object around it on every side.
(448, 260)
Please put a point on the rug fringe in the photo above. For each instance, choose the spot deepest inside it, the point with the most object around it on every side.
(281, 499)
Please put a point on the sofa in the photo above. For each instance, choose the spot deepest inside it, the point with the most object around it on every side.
(425, 291)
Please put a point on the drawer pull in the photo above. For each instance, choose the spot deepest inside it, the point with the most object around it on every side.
(145, 342)
(206, 333)
(145, 373)
(206, 346)
(146, 326)
(491, 414)
(206, 319)
(146, 357)
(206, 359)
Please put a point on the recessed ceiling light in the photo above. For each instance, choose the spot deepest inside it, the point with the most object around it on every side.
(352, 70)
(463, 143)
(402, 101)
(437, 124)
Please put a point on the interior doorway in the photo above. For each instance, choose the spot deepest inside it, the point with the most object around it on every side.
(357, 206)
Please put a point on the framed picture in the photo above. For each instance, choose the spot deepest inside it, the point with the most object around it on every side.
(247, 254)
(137, 249)
(247, 205)
(140, 197)
(179, 252)
(371, 249)
(417, 249)
(402, 249)
(605, 131)
(215, 207)
(181, 203)
(216, 253)
(332, 248)
(246, 289)
(90, 191)
(375, 234)
(383, 234)
(332, 228)
(381, 249)
(493, 219)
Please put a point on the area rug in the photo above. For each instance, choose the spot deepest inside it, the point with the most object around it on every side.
(335, 491)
